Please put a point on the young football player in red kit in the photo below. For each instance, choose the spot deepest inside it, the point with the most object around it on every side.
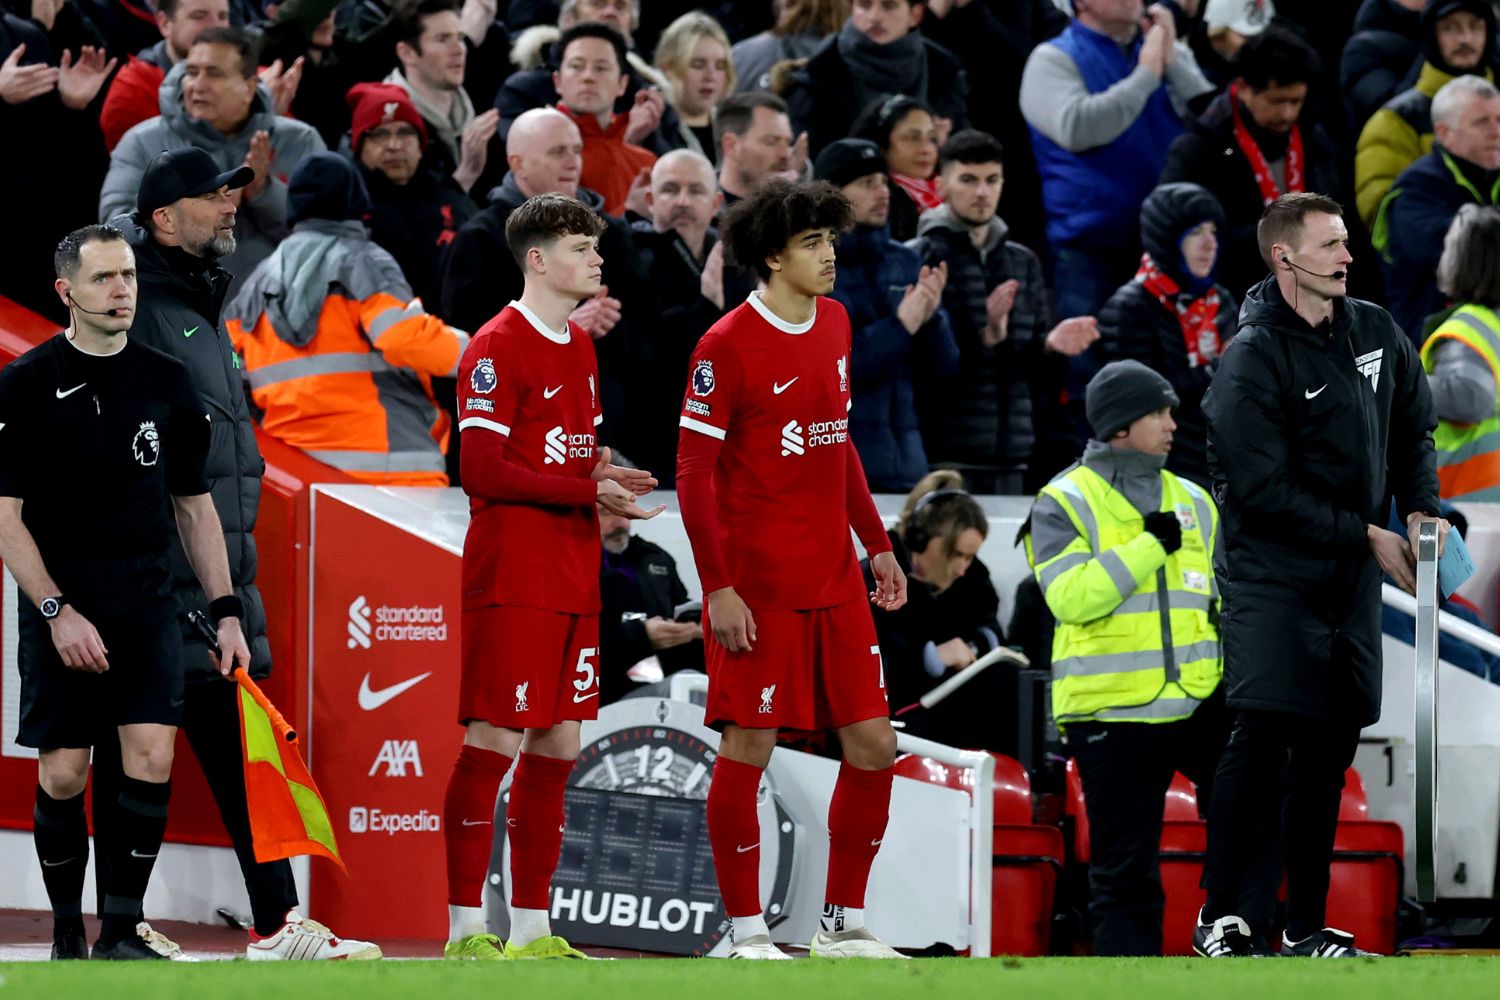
(769, 485)
(528, 405)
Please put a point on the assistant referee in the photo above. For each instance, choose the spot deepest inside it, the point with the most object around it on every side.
(97, 434)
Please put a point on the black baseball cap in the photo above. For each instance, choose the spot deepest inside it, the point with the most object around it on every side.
(847, 160)
(184, 173)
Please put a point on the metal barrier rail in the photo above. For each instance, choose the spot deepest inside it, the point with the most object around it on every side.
(1426, 710)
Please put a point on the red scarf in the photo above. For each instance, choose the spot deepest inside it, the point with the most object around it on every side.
(923, 192)
(1198, 317)
(1295, 179)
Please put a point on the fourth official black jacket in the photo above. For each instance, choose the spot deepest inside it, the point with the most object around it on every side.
(1311, 433)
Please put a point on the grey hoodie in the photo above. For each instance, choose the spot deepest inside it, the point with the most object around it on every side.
(262, 221)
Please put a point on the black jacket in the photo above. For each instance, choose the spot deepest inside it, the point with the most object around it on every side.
(1134, 323)
(824, 99)
(417, 223)
(1207, 154)
(655, 591)
(481, 278)
(178, 313)
(983, 418)
(967, 610)
(1381, 58)
(1311, 433)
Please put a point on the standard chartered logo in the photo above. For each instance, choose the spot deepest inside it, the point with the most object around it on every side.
(386, 623)
(791, 439)
(359, 623)
(556, 447)
(796, 439)
(559, 446)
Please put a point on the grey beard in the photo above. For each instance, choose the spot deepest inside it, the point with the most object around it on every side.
(219, 247)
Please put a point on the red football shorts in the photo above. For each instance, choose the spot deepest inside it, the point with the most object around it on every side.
(807, 670)
(526, 668)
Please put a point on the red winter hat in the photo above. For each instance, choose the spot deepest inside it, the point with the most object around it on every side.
(376, 104)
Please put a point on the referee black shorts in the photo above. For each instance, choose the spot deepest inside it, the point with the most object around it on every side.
(63, 708)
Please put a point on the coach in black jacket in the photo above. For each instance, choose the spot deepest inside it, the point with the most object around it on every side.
(1318, 416)
(182, 290)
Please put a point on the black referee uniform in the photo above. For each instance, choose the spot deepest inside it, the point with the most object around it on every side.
(95, 447)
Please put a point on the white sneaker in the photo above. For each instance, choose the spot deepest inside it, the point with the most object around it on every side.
(758, 946)
(858, 943)
(306, 940)
(161, 944)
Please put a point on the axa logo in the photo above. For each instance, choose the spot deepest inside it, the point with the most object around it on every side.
(1369, 367)
(397, 756)
(792, 441)
(559, 446)
(359, 623)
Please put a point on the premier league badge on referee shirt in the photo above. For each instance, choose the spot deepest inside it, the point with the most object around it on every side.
(146, 446)
(484, 380)
(703, 378)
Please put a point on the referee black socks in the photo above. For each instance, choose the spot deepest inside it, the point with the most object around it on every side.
(142, 824)
(62, 845)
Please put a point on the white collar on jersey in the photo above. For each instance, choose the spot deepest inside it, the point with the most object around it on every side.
(557, 338)
(777, 321)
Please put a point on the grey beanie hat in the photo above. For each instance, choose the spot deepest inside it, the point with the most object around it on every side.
(1123, 392)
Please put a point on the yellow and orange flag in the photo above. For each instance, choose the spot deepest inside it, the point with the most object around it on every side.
(287, 814)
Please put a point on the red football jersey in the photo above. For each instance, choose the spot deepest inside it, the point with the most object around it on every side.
(534, 394)
(777, 395)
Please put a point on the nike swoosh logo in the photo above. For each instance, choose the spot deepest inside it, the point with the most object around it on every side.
(478, 822)
(1310, 394)
(742, 850)
(371, 700)
(877, 843)
(61, 394)
(189, 333)
(779, 389)
(137, 854)
(549, 393)
(55, 864)
(584, 697)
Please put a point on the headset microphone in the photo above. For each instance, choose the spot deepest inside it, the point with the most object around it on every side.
(92, 312)
(1338, 275)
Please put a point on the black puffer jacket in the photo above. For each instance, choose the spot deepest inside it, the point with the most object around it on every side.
(178, 311)
(1311, 433)
(983, 418)
(1381, 59)
(1134, 323)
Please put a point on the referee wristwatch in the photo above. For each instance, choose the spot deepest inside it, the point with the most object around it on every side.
(51, 607)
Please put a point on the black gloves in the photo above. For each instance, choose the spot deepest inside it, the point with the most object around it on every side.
(1165, 526)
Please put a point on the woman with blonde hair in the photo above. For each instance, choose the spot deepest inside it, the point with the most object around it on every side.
(801, 26)
(693, 55)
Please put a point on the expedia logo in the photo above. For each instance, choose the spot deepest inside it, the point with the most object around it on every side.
(559, 446)
(372, 820)
(795, 439)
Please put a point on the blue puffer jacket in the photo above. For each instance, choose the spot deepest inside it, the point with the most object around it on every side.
(890, 366)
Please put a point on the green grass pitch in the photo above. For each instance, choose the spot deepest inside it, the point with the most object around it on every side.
(1438, 978)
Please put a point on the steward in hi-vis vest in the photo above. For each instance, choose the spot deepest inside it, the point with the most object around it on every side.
(1124, 554)
(1462, 359)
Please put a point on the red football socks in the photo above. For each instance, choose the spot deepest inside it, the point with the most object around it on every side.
(856, 825)
(469, 821)
(734, 834)
(535, 821)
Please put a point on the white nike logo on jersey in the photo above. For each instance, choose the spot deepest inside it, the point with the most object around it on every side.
(370, 700)
(1310, 393)
(577, 698)
(549, 393)
(477, 822)
(64, 394)
(779, 389)
(742, 850)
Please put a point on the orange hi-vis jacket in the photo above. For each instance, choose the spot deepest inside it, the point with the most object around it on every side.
(340, 357)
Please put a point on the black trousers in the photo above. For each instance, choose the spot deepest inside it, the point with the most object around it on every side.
(1127, 768)
(210, 718)
(1293, 764)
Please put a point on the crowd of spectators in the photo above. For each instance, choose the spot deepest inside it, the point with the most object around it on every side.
(1040, 186)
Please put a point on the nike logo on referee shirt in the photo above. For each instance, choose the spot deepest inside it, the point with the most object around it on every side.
(1309, 393)
(65, 393)
(778, 389)
(371, 700)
